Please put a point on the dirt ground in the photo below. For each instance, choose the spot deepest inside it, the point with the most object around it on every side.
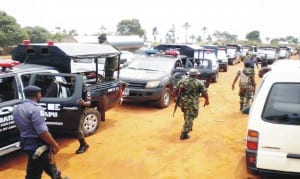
(140, 141)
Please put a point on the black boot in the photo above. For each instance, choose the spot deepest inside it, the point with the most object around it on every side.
(241, 107)
(83, 147)
(184, 135)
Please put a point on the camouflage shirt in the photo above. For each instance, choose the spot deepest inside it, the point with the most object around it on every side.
(191, 90)
(245, 77)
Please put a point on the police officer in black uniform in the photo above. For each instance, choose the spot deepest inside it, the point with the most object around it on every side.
(86, 101)
(30, 118)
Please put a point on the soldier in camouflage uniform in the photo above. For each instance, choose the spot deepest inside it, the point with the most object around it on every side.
(247, 84)
(191, 89)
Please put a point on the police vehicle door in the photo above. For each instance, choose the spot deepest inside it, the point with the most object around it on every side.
(9, 96)
(60, 100)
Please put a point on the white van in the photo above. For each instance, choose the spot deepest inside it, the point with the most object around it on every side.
(274, 124)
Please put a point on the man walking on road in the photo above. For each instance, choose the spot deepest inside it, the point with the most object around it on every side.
(190, 89)
(247, 84)
(35, 139)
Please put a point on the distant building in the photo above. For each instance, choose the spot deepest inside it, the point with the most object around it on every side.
(129, 43)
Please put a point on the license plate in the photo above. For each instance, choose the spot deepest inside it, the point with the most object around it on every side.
(126, 92)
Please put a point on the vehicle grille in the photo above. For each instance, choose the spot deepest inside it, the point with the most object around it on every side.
(136, 84)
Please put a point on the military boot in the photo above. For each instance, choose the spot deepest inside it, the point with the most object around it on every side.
(241, 106)
(83, 146)
(184, 135)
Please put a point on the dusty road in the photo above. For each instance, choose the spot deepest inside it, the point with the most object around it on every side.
(140, 141)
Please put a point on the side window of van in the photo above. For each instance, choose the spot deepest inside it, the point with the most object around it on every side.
(283, 104)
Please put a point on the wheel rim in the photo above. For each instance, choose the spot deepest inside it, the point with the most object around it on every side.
(90, 123)
(166, 98)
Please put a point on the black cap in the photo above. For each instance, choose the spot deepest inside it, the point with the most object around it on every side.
(31, 90)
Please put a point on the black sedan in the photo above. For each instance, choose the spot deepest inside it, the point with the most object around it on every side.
(151, 79)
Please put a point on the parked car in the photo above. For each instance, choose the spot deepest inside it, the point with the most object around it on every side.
(269, 53)
(61, 106)
(222, 59)
(245, 51)
(274, 124)
(234, 53)
(151, 78)
(188, 50)
(206, 63)
(283, 53)
(221, 55)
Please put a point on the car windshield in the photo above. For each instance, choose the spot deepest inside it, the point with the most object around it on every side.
(231, 51)
(152, 64)
(208, 54)
(221, 54)
(283, 104)
(202, 64)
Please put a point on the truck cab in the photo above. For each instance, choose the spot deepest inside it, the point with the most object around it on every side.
(49, 66)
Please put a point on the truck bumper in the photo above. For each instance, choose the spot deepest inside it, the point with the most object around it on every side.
(140, 95)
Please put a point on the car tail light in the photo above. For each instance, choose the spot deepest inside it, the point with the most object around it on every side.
(252, 140)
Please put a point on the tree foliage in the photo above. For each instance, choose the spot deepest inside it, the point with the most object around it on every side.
(130, 27)
(37, 34)
(253, 36)
(11, 32)
(225, 36)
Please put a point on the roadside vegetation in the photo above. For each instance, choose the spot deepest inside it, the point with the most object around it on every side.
(11, 34)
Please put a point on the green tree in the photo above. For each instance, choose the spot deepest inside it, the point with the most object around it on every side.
(204, 29)
(253, 36)
(186, 26)
(172, 32)
(192, 37)
(199, 39)
(11, 32)
(37, 34)
(130, 27)
(274, 41)
(225, 36)
(154, 33)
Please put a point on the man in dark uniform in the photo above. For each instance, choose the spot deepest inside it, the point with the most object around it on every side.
(190, 88)
(30, 120)
(86, 102)
(253, 61)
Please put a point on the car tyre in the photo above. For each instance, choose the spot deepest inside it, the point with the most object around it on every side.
(90, 121)
(164, 99)
(215, 78)
(225, 69)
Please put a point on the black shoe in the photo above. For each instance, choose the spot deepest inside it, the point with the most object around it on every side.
(184, 136)
(82, 149)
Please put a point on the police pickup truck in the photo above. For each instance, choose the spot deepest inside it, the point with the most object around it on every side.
(48, 66)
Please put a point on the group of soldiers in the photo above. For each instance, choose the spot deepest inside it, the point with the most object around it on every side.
(34, 132)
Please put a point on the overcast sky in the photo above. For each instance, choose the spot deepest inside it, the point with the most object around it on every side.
(273, 18)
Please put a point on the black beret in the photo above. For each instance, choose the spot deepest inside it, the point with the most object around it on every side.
(31, 90)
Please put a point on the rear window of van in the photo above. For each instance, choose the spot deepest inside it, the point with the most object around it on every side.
(283, 104)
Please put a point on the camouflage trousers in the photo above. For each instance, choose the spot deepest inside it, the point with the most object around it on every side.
(190, 112)
(188, 123)
(245, 97)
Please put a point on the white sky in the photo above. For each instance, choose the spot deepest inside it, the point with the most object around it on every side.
(273, 18)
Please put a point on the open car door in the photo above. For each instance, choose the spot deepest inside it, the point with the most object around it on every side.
(60, 100)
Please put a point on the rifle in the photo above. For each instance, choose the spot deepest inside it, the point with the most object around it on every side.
(178, 98)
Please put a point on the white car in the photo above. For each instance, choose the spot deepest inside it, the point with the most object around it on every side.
(222, 59)
(274, 124)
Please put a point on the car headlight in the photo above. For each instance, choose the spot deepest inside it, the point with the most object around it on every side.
(152, 84)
